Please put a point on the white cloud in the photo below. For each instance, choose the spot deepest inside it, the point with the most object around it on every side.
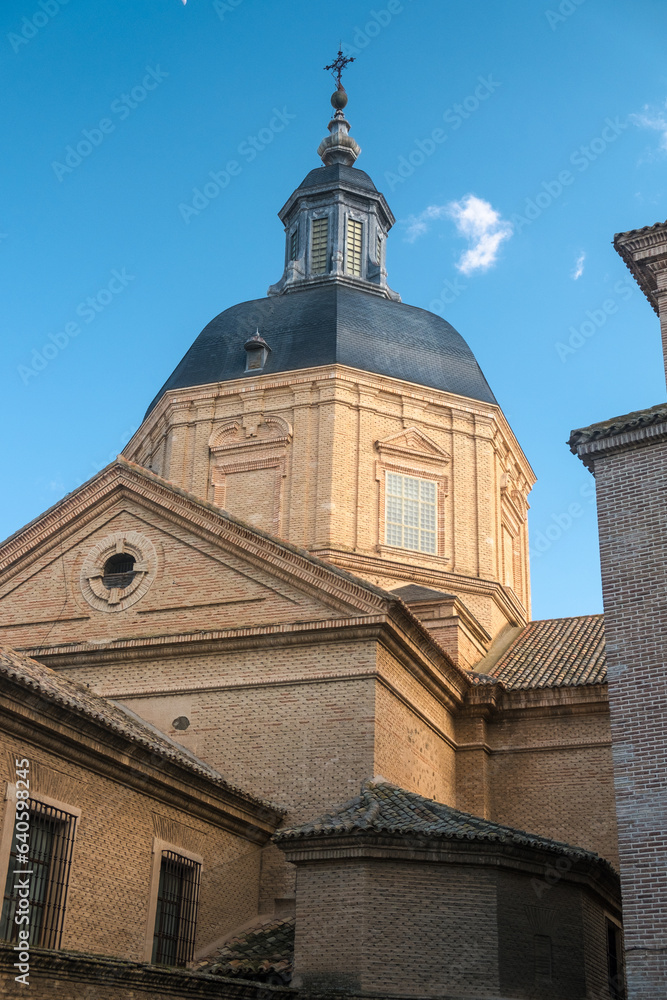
(654, 119)
(476, 220)
(483, 227)
(579, 266)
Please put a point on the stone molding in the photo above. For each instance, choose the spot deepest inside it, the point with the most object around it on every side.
(92, 570)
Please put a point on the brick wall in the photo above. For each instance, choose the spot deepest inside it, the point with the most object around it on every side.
(380, 919)
(108, 897)
(322, 472)
(631, 490)
(552, 773)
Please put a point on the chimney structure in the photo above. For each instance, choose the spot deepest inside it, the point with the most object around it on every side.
(628, 457)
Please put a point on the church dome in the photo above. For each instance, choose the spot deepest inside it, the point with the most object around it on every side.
(332, 304)
(334, 324)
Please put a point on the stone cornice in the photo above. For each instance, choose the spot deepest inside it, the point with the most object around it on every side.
(636, 430)
(493, 699)
(593, 872)
(644, 252)
(399, 632)
(504, 598)
(201, 394)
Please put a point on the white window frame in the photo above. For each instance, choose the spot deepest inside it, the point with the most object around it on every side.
(422, 505)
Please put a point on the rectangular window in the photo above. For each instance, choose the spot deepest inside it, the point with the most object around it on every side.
(294, 244)
(50, 837)
(318, 253)
(542, 945)
(176, 913)
(353, 247)
(378, 250)
(410, 512)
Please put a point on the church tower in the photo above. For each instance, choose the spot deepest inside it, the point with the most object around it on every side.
(362, 429)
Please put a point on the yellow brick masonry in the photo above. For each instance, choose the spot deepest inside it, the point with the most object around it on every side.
(320, 484)
(297, 683)
(120, 818)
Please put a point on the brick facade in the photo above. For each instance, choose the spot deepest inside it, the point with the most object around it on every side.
(628, 457)
(304, 456)
(631, 482)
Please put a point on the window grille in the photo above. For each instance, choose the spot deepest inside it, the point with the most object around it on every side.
(176, 914)
(294, 244)
(119, 571)
(50, 840)
(318, 254)
(410, 512)
(354, 247)
(378, 250)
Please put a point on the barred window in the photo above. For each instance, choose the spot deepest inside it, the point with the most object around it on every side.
(50, 837)
(119, 571)
(378, 250)
(543, 958)
(410, 512)
(320, 240)
(294, 244)
(176, 913)
(353, 247)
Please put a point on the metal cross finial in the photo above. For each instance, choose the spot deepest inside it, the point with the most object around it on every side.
(338, 65)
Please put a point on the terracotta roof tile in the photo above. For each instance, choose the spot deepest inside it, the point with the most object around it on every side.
(553, 653)
(264, 953)
(383, 808)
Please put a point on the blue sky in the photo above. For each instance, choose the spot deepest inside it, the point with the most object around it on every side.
(511, 141)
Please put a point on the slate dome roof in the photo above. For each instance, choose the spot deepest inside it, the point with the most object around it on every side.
(334, 324)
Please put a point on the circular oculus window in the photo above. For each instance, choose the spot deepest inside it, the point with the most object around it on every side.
(118, 571)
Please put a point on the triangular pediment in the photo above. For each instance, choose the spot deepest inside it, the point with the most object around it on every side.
(412, 441)
(194, 568)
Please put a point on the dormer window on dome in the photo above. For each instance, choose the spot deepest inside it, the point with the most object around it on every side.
(320, 246)
(353, 247)
(257, 353)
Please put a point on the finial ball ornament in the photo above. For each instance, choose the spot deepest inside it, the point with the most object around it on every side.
(339, 99)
